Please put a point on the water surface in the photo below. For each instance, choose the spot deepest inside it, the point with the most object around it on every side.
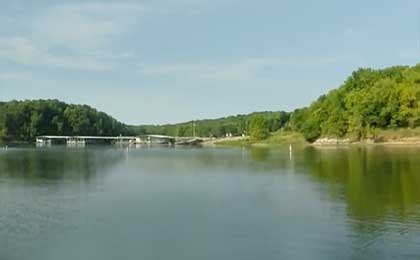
(180, 204)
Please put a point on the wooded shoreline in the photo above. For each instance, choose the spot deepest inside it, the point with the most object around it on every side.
(371, 106)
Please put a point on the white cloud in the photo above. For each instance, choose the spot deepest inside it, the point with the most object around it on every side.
(73, 36)
(85, 26)
(85, 36)
(23, 51)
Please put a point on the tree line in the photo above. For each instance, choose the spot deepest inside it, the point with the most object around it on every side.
(367, 101)
(234, 125)
(24, 120)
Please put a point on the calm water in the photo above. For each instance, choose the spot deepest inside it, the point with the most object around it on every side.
(181, 204)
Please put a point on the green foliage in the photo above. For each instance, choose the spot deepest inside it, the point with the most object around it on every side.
(367, 101)
(236, 125)
(24, 120)
(311, 130)
(285, 138)
(258, 129)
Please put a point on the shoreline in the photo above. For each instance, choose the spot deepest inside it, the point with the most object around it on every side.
(286, 139)
(330, 142)
(322, 142)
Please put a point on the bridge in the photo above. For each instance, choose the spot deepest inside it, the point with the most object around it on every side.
(143, 139)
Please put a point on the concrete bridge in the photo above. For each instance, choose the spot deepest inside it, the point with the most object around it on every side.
(143, 139)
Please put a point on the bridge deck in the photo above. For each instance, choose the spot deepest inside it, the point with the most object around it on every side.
(117, 138)
(47, 137)
(135, 139)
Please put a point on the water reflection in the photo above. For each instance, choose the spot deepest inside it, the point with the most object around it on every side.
(57, 163)
(374, 182)
(41, 190)
(346, 203)
(260, 154)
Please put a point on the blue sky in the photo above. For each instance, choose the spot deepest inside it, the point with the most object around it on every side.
(160, 61)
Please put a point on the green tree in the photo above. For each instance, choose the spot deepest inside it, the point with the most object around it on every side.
(258, 129)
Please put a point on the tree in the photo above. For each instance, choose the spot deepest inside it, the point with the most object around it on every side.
(258, 129)
(311, 130)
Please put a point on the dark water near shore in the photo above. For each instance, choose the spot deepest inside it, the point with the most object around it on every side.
(180, 204)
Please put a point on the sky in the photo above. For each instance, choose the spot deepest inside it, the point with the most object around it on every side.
(166, 61)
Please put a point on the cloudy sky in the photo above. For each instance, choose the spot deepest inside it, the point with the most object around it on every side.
(159, 61)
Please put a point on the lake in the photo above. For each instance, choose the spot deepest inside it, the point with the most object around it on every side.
(209, 203)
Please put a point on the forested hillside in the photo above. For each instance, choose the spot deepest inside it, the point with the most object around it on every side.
(236, 125)
(368, 100)
(24, 120)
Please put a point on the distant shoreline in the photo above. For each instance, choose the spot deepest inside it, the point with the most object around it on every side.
(325, 142)
(384, 138)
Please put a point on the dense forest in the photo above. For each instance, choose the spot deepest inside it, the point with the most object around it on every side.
(367, 101)
(24, 120)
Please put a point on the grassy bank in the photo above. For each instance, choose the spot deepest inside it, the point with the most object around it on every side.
(275, 139)
(402, 136)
